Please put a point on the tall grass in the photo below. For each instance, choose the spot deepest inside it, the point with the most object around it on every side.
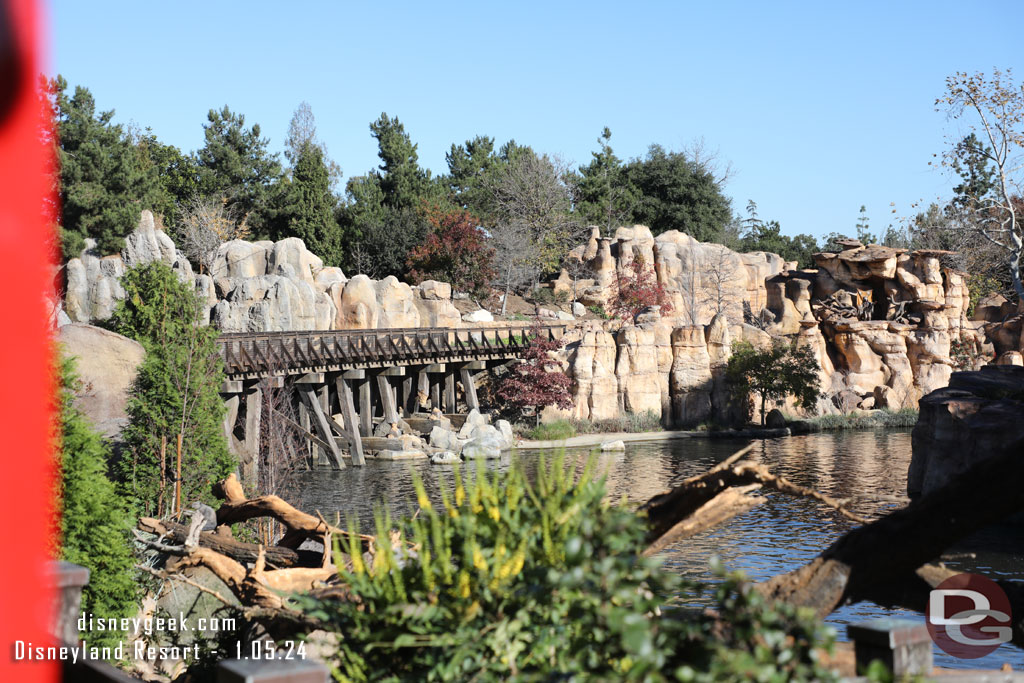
(904, 417)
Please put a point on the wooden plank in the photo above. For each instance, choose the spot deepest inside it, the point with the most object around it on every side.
(253, 413)
(422, 390)
(232, 386)
(394, 371)
(311, 378)
(308, 395)
(387, 399)
(408, 396)
(348, 413)
(469, 387)
(435, 394)
(358, 373)
(305, 424)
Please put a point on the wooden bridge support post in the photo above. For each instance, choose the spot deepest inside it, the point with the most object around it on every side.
(407, 396)
(230, 417)
(449, 392)
(365, 408)
(253, 413)
(348, 413)
(325, 406)
(469, 388)
(311, 400)
(310, 452)
(387, 399)
(422, 390)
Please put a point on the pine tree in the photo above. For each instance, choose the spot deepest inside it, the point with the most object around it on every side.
(604, 195)
(235, 163)
(95, 527)
(105, 180)
(310, 208)
(175, 395)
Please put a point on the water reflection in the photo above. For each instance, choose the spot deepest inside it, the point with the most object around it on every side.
(868, 469)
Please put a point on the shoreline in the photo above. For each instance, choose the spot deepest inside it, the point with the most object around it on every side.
(584, 440)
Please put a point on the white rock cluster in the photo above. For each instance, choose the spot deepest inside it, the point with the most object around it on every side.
(261, 287)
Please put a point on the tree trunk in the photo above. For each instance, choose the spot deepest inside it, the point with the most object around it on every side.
(764, 403)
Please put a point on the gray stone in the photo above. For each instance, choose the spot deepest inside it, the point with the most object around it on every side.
(474, 419)
(775, 419)
(578, 309)
(505, 427)
(445, 458)
(401, 455)
(617, 445)
(487, 446)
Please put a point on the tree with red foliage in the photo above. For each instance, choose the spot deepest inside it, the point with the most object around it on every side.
(638, 289)
(455, 251)
(537, 380)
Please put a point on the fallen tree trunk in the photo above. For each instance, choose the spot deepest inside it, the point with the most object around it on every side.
(237, 508)
(682, 512)
(246, 553)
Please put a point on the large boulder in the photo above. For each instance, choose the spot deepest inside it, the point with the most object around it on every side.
(357, 307)
(978, 416)
(290, 258)
(396, 303)
(106, 364)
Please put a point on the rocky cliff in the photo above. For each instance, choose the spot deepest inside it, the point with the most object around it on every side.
(886, 325)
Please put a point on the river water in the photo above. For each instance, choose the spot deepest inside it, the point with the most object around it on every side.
(867, 468)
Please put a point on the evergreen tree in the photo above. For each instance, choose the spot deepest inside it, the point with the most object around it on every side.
(677, 193)
(95, 527)
(105, 181)
(383, 217)
(604, 196)
(310, 208)
(175, 395)
(469, 167)
(234, 163)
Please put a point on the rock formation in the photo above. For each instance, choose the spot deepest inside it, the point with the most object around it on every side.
(887, 326)
(972, 419)
(105, 363)
(260, 287)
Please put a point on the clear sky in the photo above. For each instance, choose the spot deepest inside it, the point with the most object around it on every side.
(820, 107)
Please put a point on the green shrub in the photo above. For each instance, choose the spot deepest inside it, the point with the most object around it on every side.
(510, 579)
(94, 525)
(546, 295)
(553, 431)
(598, 310)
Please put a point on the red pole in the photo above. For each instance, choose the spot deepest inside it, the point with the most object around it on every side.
(26, 362)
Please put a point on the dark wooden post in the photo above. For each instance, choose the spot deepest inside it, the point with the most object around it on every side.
(469, 388)
(348, 413)
(449, 392)
(387, 399)
(365, 408)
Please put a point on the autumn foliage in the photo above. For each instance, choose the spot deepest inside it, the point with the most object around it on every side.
(638, 289)
(455, 251)
(538, 380)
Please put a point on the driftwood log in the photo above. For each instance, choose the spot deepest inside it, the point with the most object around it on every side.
(246, 553)
(301, 526)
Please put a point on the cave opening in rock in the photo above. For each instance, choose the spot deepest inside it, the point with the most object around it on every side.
(880, 300)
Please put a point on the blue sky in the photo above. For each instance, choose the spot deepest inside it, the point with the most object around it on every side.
(819, 107)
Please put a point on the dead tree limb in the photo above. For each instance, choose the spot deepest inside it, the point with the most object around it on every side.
(237, 508)
(670, 515)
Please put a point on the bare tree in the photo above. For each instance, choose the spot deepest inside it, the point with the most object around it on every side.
(302, 132)
(995, 107)
(204, 223)
(719, 271)
(691, 290)
(533, 227)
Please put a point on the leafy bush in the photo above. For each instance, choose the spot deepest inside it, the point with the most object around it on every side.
(454, 251)
(510, 579)
(553, 431)
(537, 380)
(638, 289)
(547, 295)
(598, 310)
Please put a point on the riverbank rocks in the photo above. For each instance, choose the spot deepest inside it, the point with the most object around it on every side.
(106, 364)
(979, 415)
(617, 445)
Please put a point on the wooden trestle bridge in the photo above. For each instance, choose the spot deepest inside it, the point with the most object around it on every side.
(367, 376)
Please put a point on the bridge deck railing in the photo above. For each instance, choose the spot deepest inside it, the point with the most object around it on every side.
(264, 353)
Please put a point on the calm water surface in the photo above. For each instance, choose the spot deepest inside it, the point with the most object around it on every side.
(867, 468)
